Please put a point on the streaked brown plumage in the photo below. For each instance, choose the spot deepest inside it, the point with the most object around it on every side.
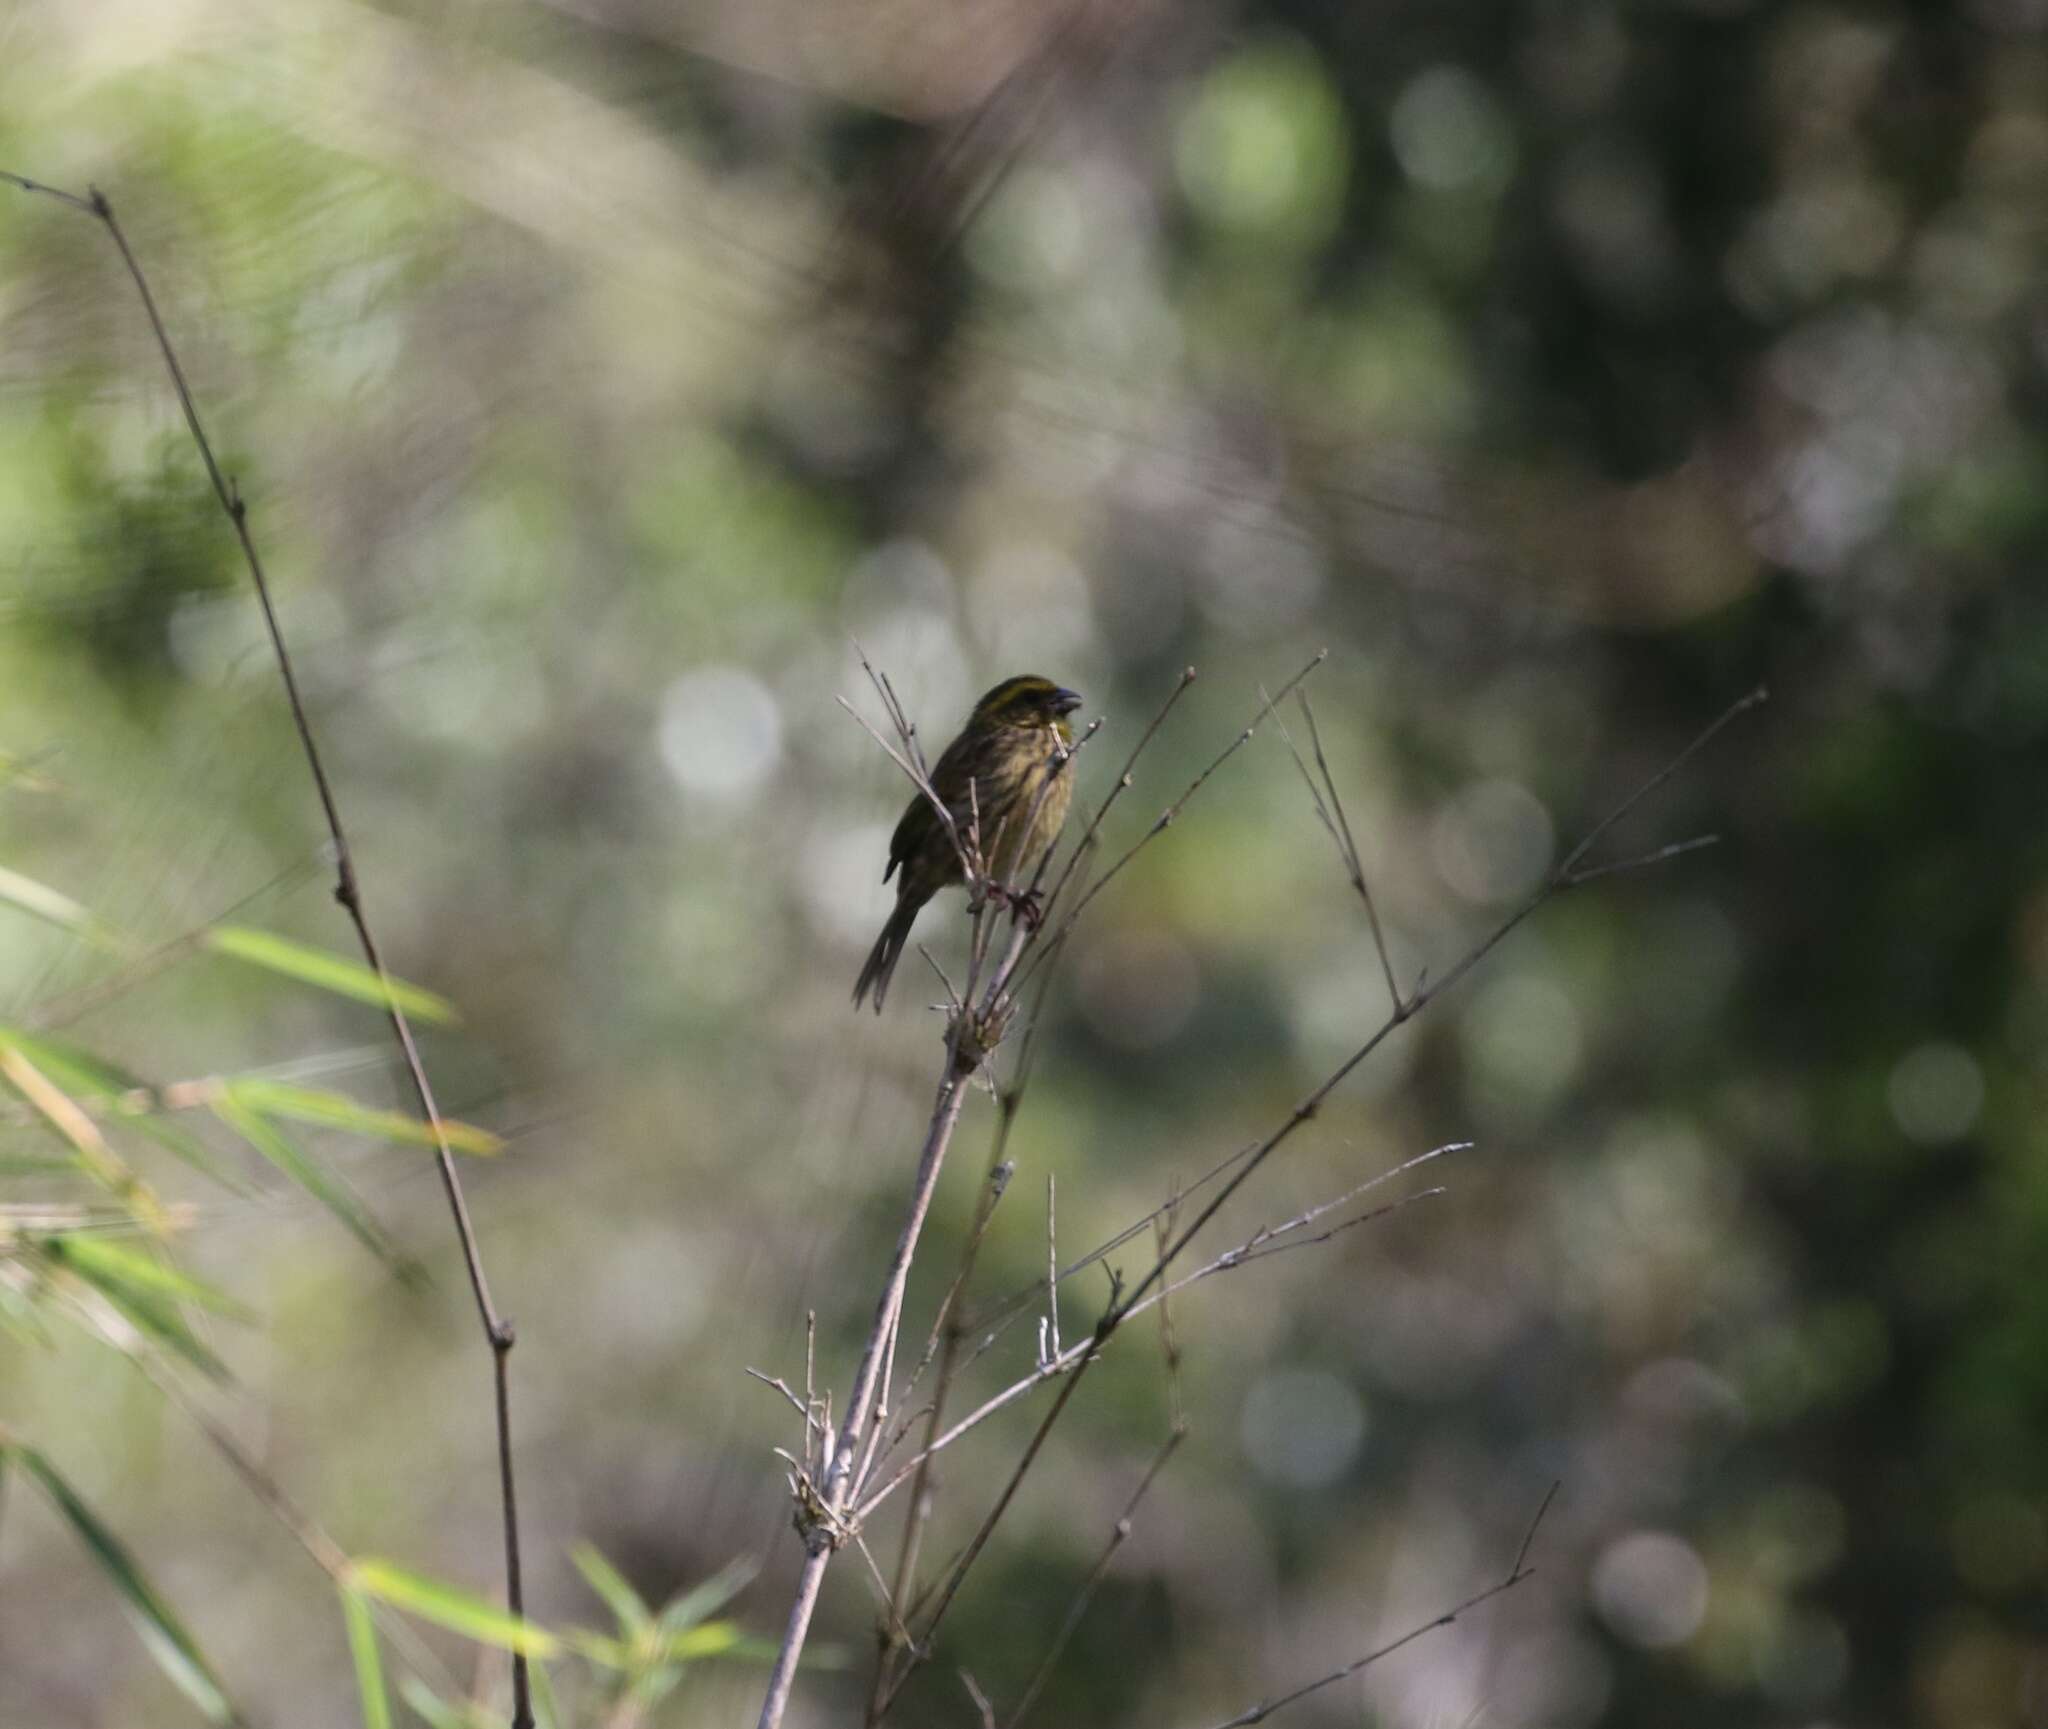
(1005, 752)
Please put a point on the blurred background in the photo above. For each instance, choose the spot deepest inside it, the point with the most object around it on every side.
(596, 370)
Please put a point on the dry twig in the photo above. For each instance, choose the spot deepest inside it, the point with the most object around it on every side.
(1072, 1368)
(498, 1331)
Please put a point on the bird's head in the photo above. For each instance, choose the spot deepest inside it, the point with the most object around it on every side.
(1029, 701)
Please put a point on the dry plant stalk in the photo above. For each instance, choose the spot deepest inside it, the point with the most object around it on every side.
(829, 1485)
(498, 1331)
(845, 1483)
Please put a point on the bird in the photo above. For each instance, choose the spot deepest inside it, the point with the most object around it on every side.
(1010, 753)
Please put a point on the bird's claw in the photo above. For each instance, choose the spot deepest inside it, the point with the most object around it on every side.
(1025, 904)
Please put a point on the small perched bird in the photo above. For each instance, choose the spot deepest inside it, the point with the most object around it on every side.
(1007, 751)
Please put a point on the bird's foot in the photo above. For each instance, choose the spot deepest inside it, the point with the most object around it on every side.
(1027, 905)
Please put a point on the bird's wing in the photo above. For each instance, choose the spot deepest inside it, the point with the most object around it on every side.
(949, 779)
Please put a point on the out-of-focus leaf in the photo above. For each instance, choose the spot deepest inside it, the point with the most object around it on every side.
(547, 1711)
(175, 1650)
(713, 1639)
(142, 1306)
(712, 1595)
(95, 1256)
(438, 1713)
(338, 1111)
(64, 1114)
(57, 908)
(19, 774)
(20, 1318)
(599, 1648)
(654, 1684)
(624, 1602)
(33, 1165)
(81, 1073)
(307, 1171)
(451, 1607)
(362, 1647)
(327, 971)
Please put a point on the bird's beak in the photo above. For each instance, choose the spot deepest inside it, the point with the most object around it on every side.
(1065, 701)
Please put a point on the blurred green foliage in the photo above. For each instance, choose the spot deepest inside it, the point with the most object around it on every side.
(594, 373)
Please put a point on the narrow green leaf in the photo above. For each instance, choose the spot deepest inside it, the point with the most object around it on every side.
(57, 908)
(439, 1713)
(547, 1711)
(624, 1602)
(75, 1070)
(362, 1646)
(451, 1607)
(84, 1075)
(305, 1170)
(339, 1111)
(174, 1649)
(327, 971)
(707, 1639)
(21, 1319)
(598, 1648)
(654, 1684)
(143, 1306)
(712, 1595)
(97, 1256)
(34, 1165)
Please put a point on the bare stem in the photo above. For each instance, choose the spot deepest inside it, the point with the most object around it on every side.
(988, 998)
(1119, 1534)
(1330, 807)
(1076, 1363)
(347, 890)
(1166, 818)
(1515, 1575)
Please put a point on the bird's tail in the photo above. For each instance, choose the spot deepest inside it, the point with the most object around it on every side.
(882, 958)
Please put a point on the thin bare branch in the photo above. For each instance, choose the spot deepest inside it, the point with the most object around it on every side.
(1169, 1340)
(1727, 717)
(1259, 1246)
(1329, 805)
(1171, 814)
(1118, 787)
(945, 1339)
(1119, 1534)
(983, 1708)
(969, 866)
(1641, 861)
(347, 891)
(1074, 1367)
(1515, 1575)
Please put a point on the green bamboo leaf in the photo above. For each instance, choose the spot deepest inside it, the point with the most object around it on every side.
(705, 1599)
(175, 1650)
(362, 1647)
(84, 1075)
(652, 1685)
(624, 1602)
(598, 1648)
(305, 1170)
(437, 1713)
(33, 1165)
(142, 1305)
(709, 1639)
(22, 1320)
(339, 1111)
(76, 1071)
(451, 1607)
(57, 908)
(97, 1257)
(547, 1711)
(327, 971)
